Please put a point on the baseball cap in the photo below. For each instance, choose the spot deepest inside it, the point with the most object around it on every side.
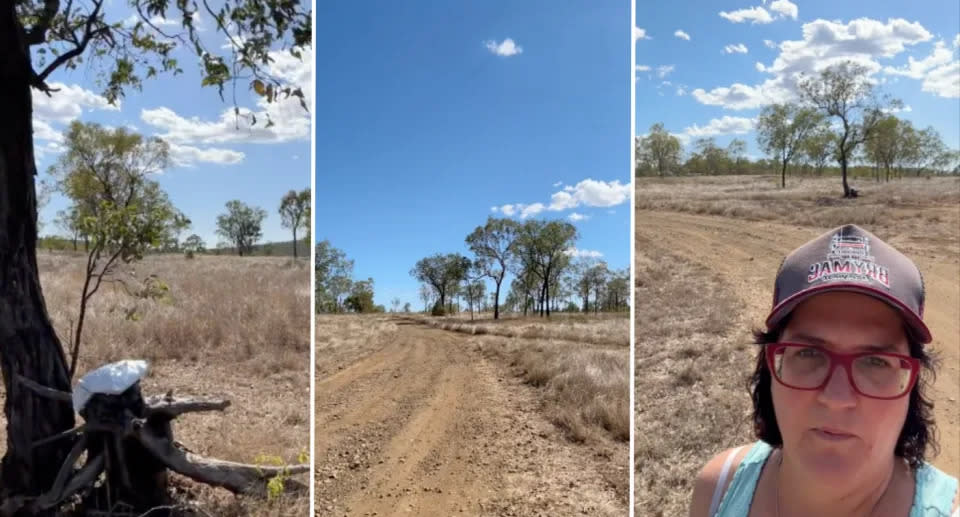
(850, 258)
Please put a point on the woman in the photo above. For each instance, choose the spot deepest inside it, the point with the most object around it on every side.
(839, 408)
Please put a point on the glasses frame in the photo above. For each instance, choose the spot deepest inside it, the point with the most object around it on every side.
(842, 360)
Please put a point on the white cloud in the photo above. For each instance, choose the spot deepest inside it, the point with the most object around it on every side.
(940, 71)
(642, 68)
(68, 103)
(577, 253)
(575, 217)
(44, 131)
(664, 70)
(682, 35)
(905, 109)
(494, 209)
(784, 8)
(505, 48)
(917, 69)
(825, 43)
(639, 34)
(590, 192)
(508, 210)
(187, 156)
(753, 15)
(722, 126)
(557, 184)
(739, 48)
(943, 81)
(681, 91)
(956, 41)
(291, 121)
(769, 43)
(531, 210)
(759, 66)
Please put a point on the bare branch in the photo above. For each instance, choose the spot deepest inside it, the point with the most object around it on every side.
(174, 407)
(44, 391)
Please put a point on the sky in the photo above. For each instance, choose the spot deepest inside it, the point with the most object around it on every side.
(214, 161)
(706, 68)
(433, 116)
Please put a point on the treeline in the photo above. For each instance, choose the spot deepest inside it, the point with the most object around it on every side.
(334, 286)
(840, 126)
(540, 255)
(117, 210)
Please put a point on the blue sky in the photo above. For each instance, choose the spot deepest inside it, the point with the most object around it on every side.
(732, 57)
(431, 114)
(214, 161)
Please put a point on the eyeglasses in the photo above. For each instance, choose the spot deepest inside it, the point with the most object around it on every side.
(878, 375)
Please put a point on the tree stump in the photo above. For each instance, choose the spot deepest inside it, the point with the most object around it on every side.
(130, 448)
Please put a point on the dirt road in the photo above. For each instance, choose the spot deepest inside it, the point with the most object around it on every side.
(424, 424)
(747, 254)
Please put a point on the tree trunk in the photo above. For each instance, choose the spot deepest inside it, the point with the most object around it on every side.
(294, 243)
(28, 344)
(783, 175)
(496, 302)
(843, 173)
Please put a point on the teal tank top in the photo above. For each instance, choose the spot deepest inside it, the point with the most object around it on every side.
(933, 495)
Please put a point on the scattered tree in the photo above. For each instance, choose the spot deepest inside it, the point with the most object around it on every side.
(494, 246)
(241, 225)
(781, 130)
(659, 150)
(333, 273)
(294, 213)
(443, 273)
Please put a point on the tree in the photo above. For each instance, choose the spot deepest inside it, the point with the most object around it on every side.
(443, 273)
(818, 147)
(406, 307)
(104, 173)
(494, 246)
(843, 91)
(475, 291)
(361, 298)
(333, 274)
(194, 244)
(781, 130)
(241, 225)
(294, 208)
(542, 250)
(395, 304)
(884, 147)
(737, 150)
(659, 150)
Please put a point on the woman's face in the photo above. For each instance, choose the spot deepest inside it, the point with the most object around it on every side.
(835, 432)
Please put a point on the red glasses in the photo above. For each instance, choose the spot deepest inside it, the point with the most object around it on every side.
(878, 375)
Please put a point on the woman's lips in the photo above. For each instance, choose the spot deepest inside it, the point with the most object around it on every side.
(833, 435)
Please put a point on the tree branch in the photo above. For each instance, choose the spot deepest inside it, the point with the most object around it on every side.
(38, 33)
(88, 34)
(174, 407)
(44, 391)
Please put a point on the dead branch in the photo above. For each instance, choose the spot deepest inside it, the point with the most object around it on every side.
(170, 407)
(44, 391)
(239, 478)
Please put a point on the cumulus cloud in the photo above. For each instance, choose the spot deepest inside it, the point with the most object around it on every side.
(784, 8)
(639, 34)
(557, 184)
(187, 156)
(68, 103)
(505, 48)
(825, 43)
(681, 91)
(590, 192)
(940, 71)
(752, 14)
(642, 68)
(769, 43)
(291, 121)
(739, 48)
(578, 253)
(682, 35)
(575, 217)
(722, 126)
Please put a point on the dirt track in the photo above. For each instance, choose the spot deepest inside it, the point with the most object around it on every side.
(424, 424)
(747, 254)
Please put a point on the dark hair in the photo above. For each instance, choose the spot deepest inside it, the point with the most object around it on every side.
(917, 435)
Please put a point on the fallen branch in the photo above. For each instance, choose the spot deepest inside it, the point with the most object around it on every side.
(44, 391)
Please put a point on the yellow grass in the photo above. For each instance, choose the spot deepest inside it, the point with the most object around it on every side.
(232, 327)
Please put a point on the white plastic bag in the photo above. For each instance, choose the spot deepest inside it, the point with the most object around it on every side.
(109, 379)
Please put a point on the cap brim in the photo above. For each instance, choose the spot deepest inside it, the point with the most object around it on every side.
(913, 320)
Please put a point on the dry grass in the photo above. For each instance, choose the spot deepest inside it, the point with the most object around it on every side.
(586, 384)
(232, 327)
(599, 329)
(343, 339)
(691, 397)
(887, 208)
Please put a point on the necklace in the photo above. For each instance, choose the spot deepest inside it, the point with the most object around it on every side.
(780, 464)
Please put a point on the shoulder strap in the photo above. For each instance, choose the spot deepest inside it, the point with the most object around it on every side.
(722, 482)
(736, 501)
